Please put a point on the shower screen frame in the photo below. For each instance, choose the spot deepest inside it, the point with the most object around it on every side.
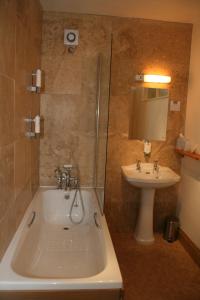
(101, 126)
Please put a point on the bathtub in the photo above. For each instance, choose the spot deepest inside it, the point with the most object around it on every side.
(52, 251)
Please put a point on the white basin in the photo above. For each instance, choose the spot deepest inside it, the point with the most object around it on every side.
(148, 180)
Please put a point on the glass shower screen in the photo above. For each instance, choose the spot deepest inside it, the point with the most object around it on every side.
(101, 134)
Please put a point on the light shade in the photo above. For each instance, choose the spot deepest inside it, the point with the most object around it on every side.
(157, 78)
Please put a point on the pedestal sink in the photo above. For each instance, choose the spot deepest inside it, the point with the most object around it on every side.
(148, 179)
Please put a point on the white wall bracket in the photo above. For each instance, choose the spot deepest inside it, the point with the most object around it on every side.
(36, 82)
(30, 131)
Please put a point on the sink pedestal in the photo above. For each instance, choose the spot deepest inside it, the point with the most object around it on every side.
(148, 178)
(144, 227)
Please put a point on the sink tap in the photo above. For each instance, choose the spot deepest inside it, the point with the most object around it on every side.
(138, 165)
(156, 167)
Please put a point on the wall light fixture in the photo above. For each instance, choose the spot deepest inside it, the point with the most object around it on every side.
(153, 78)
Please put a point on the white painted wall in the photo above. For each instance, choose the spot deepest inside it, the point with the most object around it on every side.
(166, 10)
(189, 196)
(189, 200)
(193, 104)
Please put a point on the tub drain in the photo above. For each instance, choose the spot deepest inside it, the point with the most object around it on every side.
(67, 197)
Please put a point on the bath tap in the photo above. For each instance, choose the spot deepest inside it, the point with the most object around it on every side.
(64, 179)
(73, 183)
(58, 176)
(66, 175)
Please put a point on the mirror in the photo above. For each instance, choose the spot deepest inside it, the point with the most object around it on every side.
(148, 114)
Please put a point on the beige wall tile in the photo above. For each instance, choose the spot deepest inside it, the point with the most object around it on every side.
(6, 110)
(68, 136)
(69, 103)
(22, 164)
(8, 227)
(7, 223)
(35, 148)
(21, 203)
(6, 178)
(20, 33)
(7, 37)
(138, 46)
(143, 46)
(28, 41)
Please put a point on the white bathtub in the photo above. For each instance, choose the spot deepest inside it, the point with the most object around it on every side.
(55, 254)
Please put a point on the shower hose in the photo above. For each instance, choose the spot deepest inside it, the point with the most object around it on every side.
(75, 204)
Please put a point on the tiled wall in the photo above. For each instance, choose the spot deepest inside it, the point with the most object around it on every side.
(68, 103)
(143, 46)
(20, 40)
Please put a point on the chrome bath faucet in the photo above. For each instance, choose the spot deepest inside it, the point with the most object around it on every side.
(64, 179)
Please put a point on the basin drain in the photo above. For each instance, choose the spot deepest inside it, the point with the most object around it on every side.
(65, 228)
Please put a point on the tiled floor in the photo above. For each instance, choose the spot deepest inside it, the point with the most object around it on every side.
(161, 271)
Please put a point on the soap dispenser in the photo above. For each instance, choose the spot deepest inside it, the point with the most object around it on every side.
(147, 148)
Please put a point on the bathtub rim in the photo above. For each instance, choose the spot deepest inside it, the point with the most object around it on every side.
(109, 278)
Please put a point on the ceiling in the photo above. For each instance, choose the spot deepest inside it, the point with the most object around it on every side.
(167, 10)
